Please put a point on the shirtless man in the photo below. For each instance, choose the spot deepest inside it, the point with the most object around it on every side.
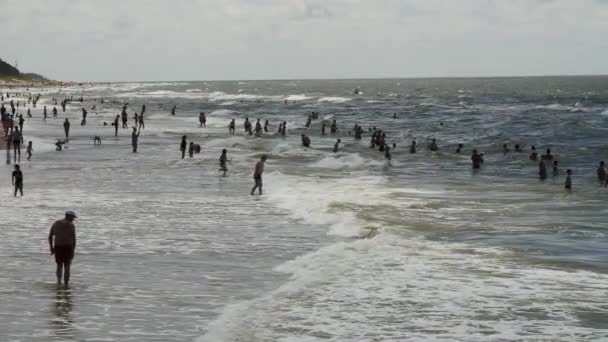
(62, 243)
(257, 175)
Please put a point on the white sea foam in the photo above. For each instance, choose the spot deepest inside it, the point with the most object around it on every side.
(346, 161)
(335, 99)
(301, 97)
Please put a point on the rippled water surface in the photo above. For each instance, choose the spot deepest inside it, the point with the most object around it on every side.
(342, 246)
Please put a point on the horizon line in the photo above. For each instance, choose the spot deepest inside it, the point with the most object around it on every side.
(349, 78)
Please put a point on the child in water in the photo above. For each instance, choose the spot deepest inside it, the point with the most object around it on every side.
(568, 185)
(29, 150)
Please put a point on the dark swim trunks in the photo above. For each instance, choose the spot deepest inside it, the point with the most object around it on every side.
(64, 254)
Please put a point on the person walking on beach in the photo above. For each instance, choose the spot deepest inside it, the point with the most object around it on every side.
(17, 140)
(134, 139)
(17, 180)
(62, 244)
(66, 128)
(223, 161)
(202, 119)
(29, 150)
(257, 175)
(182, 146)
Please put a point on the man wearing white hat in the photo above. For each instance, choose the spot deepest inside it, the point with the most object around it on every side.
(62, 242)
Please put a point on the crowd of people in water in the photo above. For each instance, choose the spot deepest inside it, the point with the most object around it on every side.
(13, 126)
(62, 238)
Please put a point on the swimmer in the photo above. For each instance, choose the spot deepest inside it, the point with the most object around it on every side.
(413, 147)
(284, 130)
(141, 120)
(84, 117)
(459, 148)
(387, 154)
(305, 140)
(323, 128)
(505, 149)
(202, 119)
(247, 126)
(197, 148)
(266, 124)
(97, 140)
(337, 145)
(17, 180)
(533, 154)
(433, 146)
(257, 175)
(173, 110)
(555, 168)
(308, 121)
(518, 148)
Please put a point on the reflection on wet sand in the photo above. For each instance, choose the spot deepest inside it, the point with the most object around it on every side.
(61, 318)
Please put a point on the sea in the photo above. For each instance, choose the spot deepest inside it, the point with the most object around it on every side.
(341, 246)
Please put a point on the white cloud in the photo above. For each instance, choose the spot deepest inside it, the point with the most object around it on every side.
(238, 39)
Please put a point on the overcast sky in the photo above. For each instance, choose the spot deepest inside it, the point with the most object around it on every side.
(123, 40)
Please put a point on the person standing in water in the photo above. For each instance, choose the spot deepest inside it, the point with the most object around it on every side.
(258, 128)
(17, 141)
(433, 146)
(143, 109)
(337, 145)
(305, 140)
(334, 127)
(141, 121)
(476, 160)
(66, 128)
(29, 150)
(202, 119)
(134, 139)
(247, 126)
(232, 127)
(533, 154)
(601, 174)
(223, 161)
(323, 128)
(459, 149)
(568, 184)
(191, 149)
(542, 170)
(413, 147)
(182, 146)
(115, 124)
(266, 124)
(125, 118)
(173, 110)
(555, 168)
(17, 180)
(21, 122)
(62, 244)
(135, 119)
(257, 175)
(284, 131)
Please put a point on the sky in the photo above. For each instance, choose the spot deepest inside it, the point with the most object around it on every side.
(154, 40)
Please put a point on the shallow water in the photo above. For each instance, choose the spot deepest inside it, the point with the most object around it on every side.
(341, 247)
